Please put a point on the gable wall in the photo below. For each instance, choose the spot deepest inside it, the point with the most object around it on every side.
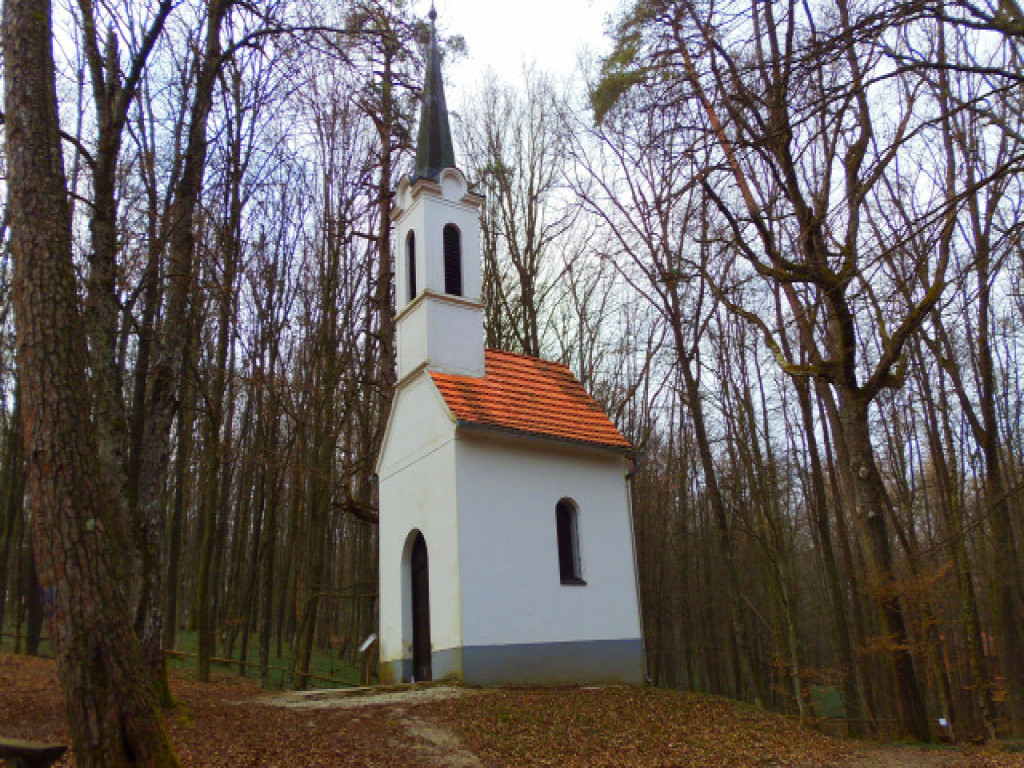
(417, 492)
(419, 424)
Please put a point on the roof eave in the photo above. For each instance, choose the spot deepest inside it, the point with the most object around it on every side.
(476, 426)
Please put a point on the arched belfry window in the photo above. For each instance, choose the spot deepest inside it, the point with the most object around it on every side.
(452, 260)
(410, 262)
(567, 528)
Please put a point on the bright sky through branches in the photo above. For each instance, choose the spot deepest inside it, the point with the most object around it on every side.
(504, 35)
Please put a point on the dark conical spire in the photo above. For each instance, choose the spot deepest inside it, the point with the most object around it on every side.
(434, 150)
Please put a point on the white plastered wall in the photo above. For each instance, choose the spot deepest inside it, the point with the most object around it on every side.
(445, 332)
(417, 492)
(408, 219)
(512, 593)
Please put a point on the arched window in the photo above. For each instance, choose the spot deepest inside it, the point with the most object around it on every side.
(567, 527)
(410, 262)
(452, 260)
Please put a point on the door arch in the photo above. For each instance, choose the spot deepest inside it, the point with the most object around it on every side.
(420, 591)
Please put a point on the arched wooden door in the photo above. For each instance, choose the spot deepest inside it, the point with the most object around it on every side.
(420, 610)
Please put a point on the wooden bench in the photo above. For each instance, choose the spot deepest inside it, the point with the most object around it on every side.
(29, 754)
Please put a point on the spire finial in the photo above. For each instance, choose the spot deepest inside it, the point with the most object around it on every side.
(434, 151)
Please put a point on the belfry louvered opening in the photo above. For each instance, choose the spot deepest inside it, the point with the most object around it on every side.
(452, 260)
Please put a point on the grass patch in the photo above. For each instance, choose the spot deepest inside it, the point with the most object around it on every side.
(325, 662)
(8, 642)
(827, 701)
(325, 665)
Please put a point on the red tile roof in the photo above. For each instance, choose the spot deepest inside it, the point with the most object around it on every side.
(527, 394)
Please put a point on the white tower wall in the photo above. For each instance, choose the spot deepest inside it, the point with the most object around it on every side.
(440, 331)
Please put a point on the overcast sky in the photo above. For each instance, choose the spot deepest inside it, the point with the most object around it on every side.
(504, 35)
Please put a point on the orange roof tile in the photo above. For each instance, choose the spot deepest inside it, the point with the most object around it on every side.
(527, 394)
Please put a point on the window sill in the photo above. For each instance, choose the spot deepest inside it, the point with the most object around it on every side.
(573, 583)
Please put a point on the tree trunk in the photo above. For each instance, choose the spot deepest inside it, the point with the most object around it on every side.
(318, 502)
(268, 550)
(841, 486)
(955, 532)
(162, 392)
(872, 510)
(182, 460)
(12, 486)
(214, 446)
(33, 603)
(837, 603)
(1007, 566)
(382, 298)
(747, 680)
(111, 711)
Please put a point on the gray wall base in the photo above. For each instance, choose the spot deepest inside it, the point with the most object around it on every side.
(591, 661)
(616, 661)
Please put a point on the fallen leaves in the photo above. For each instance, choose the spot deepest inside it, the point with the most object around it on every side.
(215, 724)
(630, 726)
(229, 723)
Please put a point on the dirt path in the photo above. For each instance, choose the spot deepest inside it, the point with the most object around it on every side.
(437, 745)
(346, 699)
(425, 742)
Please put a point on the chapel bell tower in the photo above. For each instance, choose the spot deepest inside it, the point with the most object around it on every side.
(437, 248)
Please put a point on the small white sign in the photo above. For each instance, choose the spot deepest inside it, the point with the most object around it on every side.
(367, 643)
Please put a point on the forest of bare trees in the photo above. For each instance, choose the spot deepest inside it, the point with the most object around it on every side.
(779, 242)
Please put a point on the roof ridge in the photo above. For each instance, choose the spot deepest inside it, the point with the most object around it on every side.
(524, 356)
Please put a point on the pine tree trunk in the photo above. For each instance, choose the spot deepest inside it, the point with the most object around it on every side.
(33, 604)
(111, 712)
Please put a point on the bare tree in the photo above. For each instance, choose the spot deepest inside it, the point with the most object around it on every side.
(514, 145)
(802, 160)
(639, 186)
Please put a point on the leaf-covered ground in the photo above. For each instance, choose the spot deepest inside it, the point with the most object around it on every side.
(232, 723)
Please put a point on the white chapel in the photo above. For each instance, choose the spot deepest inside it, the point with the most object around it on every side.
(506, 544)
